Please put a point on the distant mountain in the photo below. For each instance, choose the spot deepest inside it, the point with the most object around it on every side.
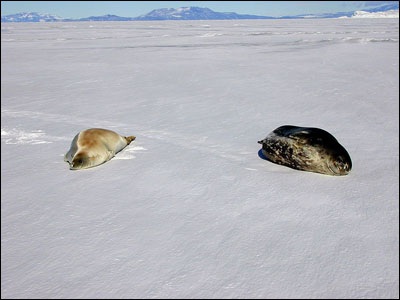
(379, 14)
(194, 13)
(31, 17)
(319, 16)
(183, 13)
(380, 10)
(37, 17)
(198, 13)
(105, 18)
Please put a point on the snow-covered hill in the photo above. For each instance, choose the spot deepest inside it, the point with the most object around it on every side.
(104, 18)
(199, 13)
(194, 13)
(380, 14)
(31, 17)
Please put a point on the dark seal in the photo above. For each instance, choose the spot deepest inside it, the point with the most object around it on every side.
(308, 149)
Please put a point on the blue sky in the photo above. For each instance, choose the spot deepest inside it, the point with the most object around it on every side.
(80, 9)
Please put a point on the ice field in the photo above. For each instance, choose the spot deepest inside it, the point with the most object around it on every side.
(189, 209)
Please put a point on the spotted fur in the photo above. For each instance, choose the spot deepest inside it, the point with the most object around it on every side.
(308, 149)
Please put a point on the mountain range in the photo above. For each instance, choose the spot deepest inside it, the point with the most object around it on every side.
(189, 13)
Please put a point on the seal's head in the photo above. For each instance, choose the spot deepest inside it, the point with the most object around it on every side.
(340, 164)
(336, 157)
(80, 161)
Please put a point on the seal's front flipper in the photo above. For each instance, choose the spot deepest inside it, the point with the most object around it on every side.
(110, 154)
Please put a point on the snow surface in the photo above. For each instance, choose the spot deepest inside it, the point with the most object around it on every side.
(189, 209)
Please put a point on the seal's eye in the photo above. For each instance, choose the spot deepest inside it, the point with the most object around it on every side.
(80, 161)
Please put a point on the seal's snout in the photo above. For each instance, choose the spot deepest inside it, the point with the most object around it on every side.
(129, 139)
(260, 142)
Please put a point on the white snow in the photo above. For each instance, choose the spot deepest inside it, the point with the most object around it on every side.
(189, 209)
(394, 13)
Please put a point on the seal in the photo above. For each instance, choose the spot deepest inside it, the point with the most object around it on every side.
(95, 146)
(308, 149)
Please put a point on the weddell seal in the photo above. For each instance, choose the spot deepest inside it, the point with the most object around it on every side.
(307, 149)
(95, 146)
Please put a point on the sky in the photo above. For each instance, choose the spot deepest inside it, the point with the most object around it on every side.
(80, 9)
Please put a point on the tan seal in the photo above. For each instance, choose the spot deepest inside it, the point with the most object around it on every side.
(93, 147)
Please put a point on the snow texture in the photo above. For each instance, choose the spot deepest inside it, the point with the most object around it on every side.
(190, 209)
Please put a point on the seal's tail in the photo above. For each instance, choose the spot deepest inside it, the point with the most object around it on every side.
(129, 139)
